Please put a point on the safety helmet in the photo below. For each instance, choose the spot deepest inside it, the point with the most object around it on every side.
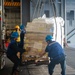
(22, 27)
(48, 37)
(14, 35)
(17, 27)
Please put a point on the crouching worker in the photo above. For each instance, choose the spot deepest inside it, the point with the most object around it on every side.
(56, 54)
(13, 52)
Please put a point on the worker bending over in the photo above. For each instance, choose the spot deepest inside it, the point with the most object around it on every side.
(20, 39)
(56, 54)
(13, 52)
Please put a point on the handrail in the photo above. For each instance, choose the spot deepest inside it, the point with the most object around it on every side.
(70, 36)
(71, 31)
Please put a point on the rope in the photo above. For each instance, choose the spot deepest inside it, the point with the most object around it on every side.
(54, 11)
(35, 9)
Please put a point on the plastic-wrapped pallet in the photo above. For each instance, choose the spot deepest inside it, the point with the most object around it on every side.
(35, 38)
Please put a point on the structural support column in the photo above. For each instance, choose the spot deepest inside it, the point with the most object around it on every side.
(25, 11)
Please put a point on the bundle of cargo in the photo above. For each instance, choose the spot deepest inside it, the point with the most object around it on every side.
(35, 38)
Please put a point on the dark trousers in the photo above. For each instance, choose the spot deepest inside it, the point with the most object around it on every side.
(20, 45)
(53, 63)
(22, 50)
(16, 62)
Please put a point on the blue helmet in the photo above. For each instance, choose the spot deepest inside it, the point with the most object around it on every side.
(48, 37)
(22, 27)
(14, 35)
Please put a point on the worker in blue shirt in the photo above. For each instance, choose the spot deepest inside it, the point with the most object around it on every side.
(56, 54)
(13, 52)
(22, 34)
(21, 44)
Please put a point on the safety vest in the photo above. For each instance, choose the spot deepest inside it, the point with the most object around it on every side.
(18, 39)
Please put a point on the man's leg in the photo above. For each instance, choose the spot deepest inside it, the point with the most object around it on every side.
(16, 62)
(63, 67)
(51, 68)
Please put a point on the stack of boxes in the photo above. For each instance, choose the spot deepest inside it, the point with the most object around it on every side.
(35, 38)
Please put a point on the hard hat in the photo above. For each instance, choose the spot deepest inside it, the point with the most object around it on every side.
(14, 35)
(22, 27)
(48, 37)
(17, 26)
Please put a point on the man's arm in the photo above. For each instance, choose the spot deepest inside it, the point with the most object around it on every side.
(16, 50)
(41, 55)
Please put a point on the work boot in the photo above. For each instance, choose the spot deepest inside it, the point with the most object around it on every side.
(51, 73)
(13, 73)
(16, 73)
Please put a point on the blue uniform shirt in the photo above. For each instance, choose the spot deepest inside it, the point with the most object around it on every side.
(54, 50)
(12, 48)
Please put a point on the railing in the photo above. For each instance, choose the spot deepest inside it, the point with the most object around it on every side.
(71, 33)
(71, 36)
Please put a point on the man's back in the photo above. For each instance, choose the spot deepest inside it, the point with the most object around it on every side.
(54, 50)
